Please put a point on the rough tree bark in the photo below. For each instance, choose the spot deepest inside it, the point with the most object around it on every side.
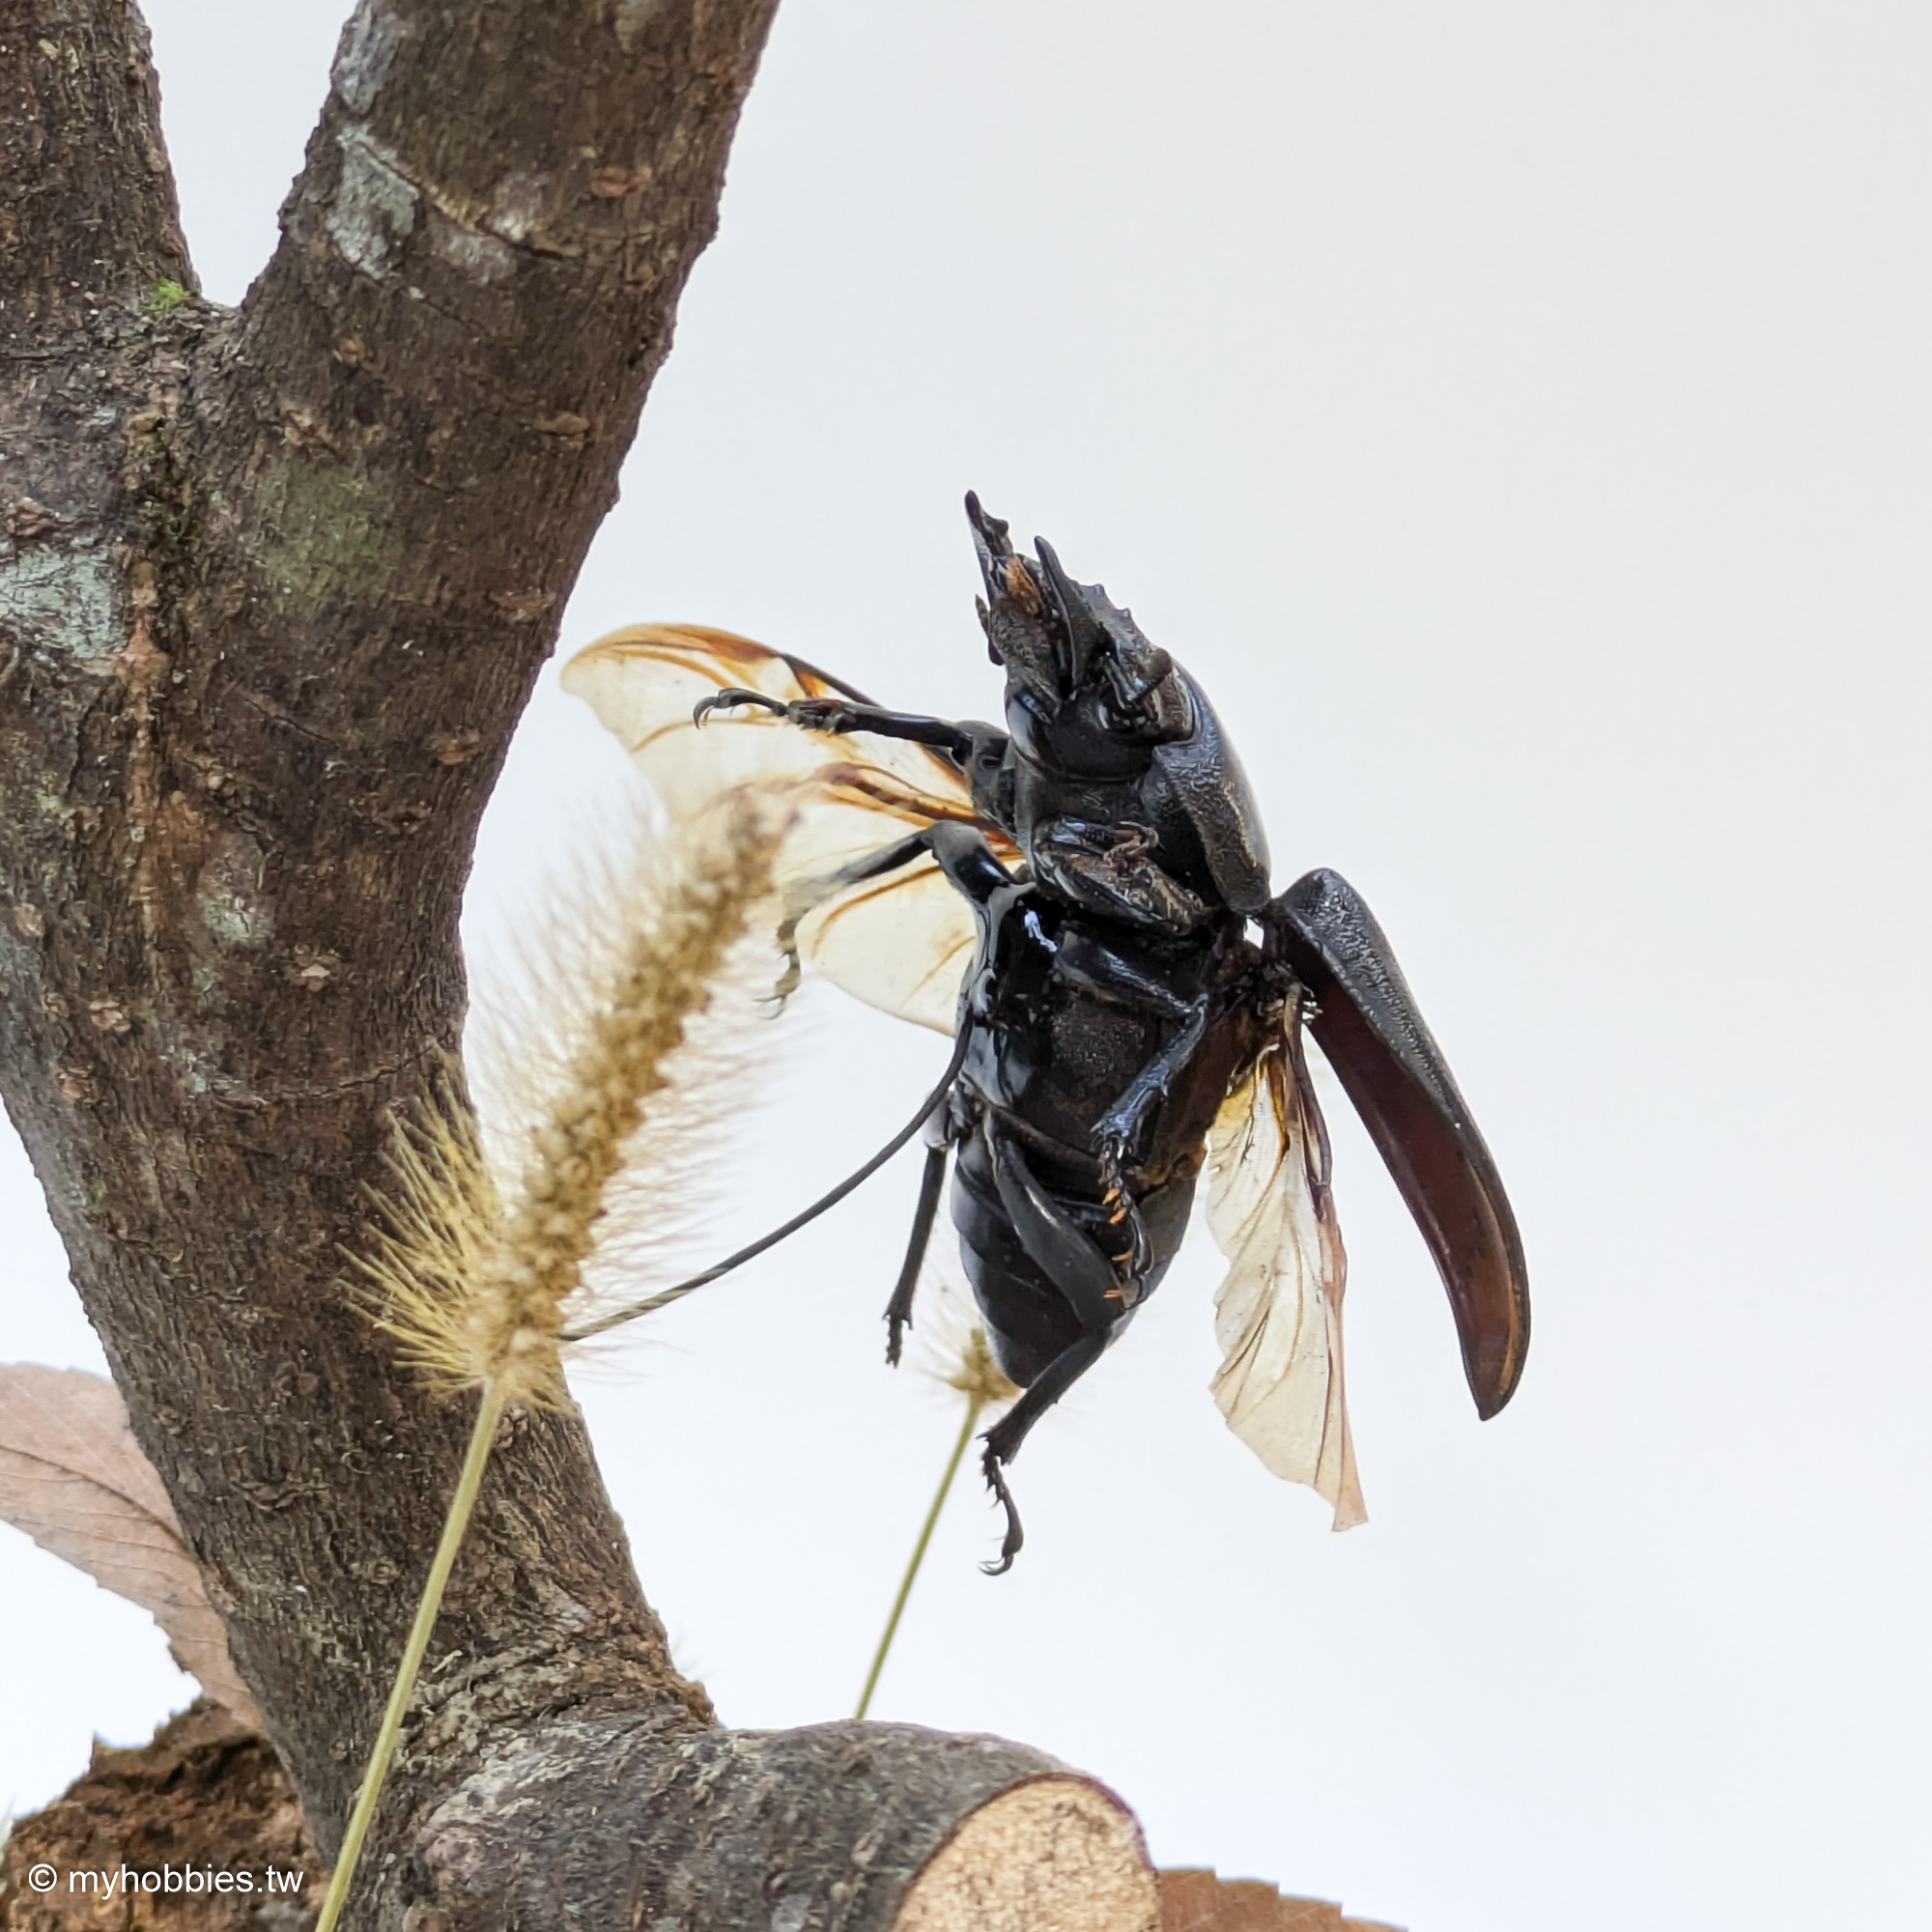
(273, 585)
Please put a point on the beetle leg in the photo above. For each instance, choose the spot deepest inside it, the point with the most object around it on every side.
(969, 863)
(899, 1310)
(1110, 870)
(974, 869)
(810, 714)
(1014, 1540)
(1100, 1290)
(1114, 1133)
(801, 899)
(1118, 1129)
(1136, 1252)
(1003, 1440)
(1083, 961)
(731, 698)
(1059, 1247)
(841, 715)
(958, 741)
(1098, 969)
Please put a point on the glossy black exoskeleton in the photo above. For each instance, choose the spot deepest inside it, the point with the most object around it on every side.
(1129, 973)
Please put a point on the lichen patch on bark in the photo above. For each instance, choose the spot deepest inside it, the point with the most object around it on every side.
(63, 602)
(375, 208)
(369, 44)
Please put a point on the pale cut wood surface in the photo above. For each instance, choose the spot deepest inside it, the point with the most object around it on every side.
(1058, 1855)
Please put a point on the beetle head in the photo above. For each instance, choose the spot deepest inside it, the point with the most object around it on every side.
(1057, 638)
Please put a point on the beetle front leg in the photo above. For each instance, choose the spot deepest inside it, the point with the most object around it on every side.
(732, 698)
(1111, 870)
(810, 714)
(963, 744)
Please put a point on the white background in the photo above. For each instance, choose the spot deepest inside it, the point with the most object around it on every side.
(1517, 415)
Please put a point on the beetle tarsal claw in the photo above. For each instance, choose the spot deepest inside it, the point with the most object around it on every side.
(1015, 1537)
(730, 699)
(787, 983)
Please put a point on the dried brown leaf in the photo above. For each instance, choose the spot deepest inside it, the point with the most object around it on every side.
(1201, 1901)
(73, 1478)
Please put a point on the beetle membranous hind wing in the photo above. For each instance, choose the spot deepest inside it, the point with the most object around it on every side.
(902, 943)
(898, 944)
(1278, 1315)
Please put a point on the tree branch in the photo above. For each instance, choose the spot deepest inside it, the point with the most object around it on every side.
(88, 219)
(273, 586)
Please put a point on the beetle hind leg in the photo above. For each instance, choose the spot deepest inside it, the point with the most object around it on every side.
(1014, 1540)
(899, 1310)
(1003, 1440)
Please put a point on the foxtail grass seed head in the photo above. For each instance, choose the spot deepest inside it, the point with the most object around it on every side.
(472, 1277)
(953, 1348)
(977, 1376)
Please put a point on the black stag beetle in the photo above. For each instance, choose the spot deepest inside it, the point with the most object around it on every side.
(1118, 1005)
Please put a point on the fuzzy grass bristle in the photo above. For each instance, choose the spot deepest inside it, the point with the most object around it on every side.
(975, 1374)
(953, 1348)
(436, 1241)
(471, 1278)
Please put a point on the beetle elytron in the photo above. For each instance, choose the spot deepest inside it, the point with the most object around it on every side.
(1082, 899)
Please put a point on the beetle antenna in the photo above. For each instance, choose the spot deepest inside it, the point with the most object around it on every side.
(583, 1330)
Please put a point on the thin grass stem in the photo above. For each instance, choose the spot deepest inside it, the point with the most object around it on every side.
(972, 1408)
(488, 1413)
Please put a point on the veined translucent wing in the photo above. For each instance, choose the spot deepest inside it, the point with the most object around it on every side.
(1278, 1315)
(902, 943)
